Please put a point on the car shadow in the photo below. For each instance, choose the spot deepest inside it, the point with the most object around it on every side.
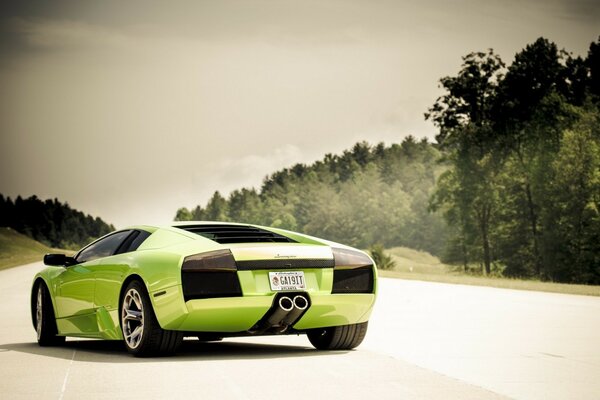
(110, 351)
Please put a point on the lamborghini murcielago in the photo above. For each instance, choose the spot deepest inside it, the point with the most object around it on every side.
(151, 286)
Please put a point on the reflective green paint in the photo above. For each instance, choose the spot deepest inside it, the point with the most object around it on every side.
(236, 315)
(108, 324)
(74, 291)
(86, 296)
(79, 325)
(336, 309)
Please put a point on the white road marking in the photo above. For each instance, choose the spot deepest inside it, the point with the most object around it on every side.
(64, 385)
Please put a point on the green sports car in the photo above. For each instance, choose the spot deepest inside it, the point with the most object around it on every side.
(151, 286)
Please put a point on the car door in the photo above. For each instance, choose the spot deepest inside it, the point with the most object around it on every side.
(110, 273)
(75, 286)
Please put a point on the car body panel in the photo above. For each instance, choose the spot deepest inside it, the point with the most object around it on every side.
(74, 291)
(86, 296)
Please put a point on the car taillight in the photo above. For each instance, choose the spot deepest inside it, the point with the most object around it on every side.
(208, 275)
(218, 260)
(353, 272)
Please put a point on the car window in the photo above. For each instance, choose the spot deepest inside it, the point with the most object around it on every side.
(133, 241)
(103, 248)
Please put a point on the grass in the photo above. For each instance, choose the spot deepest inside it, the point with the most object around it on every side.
(18, 249)
(422, 266)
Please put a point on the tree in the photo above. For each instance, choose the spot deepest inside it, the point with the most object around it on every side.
(468, 192)
(572, 215)
(382, 260)
(534, 73)
(469, 97)
(183, 214)
(529, 115)
(216, 209)
(245, 206)
(592, 62)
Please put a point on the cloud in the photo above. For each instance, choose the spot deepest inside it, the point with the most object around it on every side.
(250, 170)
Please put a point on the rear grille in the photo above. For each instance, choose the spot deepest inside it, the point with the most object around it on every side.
(236, 234)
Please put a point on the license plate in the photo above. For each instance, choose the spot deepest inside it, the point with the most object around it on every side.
(288, 280)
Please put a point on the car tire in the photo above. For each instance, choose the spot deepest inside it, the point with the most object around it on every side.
(343, 337)
(142, 333)
(43, 317)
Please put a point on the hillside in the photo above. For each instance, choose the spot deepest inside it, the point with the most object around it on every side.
(18, 249)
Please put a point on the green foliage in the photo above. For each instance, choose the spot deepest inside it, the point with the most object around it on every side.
(183, 214)
(572, 248)
(467, 192)
(51, 222)
(522, 190)
(382, 260)
(368, 194)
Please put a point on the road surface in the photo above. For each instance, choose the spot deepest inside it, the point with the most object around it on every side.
(425, 341)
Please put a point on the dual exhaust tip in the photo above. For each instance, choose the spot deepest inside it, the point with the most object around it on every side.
(284, 313)
(288, 304)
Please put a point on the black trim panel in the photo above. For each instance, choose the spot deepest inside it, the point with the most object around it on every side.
(287, 263)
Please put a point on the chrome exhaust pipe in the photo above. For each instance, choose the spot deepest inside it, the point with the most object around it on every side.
(285, 306)
(282, 315)
(300, 304)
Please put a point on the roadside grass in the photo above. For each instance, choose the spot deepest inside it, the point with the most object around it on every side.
(422, 266)
(18, 249)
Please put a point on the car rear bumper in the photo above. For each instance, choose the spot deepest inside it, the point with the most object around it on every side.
(240, 314)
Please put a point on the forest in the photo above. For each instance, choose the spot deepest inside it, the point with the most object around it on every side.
(51, 222)
(511, 185)
(368, 194)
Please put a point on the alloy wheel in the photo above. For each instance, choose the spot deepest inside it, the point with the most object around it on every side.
(38, 312)
(132, 318)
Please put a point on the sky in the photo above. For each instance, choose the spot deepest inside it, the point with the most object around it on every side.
(130, 110)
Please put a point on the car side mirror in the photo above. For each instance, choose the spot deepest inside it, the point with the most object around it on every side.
(58, 260)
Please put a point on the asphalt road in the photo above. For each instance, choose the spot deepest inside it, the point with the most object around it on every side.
(425, 341)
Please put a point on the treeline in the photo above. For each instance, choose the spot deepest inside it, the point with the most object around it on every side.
(51, 222)
(522, 194)
(367, 195)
